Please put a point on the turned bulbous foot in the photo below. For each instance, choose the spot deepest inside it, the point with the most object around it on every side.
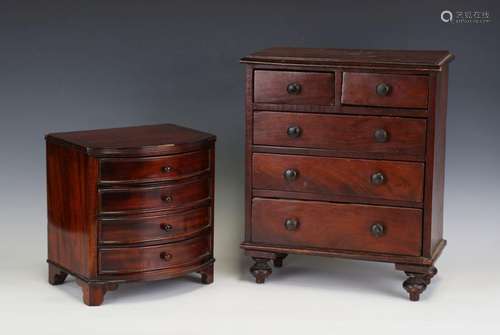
(417, 282)
(260, 270)
(56, 275)
(207, 274)
(278, 261)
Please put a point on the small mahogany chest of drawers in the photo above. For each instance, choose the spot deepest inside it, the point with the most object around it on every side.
(129, 204)
(345, 157)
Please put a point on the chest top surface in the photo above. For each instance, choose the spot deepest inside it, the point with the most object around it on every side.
(434, 59)
(139, 140)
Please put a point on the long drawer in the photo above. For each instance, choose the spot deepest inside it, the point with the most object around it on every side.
(326, 225)
(149, 169)
(140, 259)
(153, 227)
(352, 134)
(124, 200)
(375, 179)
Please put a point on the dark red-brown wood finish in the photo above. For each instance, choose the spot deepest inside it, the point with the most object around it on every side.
(129, 204)
(345, 157)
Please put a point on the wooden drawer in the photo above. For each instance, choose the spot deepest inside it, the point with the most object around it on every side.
(133, 229)
(293, 88)
(313, 224)
(343, 134)
(367, 89)
(376, 179)
(144, 199)
(139, 259)
(149, 169)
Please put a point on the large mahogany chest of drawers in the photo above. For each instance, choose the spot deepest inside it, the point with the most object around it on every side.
(345, 157)
(129, 204)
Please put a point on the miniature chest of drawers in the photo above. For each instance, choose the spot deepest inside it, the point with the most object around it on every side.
(129, 204)
(345, 157)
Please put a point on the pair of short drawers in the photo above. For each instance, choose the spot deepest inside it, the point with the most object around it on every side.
(340, 193)
(154, 212)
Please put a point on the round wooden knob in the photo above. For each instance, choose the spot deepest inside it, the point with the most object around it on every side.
(294, 88)
(166, 256)
(377, 229)
(378, 178)
(167, 169)
(167, 227)
(383, 89)
(167, 198)
(290, 174)
(291, 224)
(380, 135)
(293, 131)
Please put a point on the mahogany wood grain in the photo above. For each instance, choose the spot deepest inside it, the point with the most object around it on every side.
(342, 134)
(418, 85)
(423, 60)
(71, 205)
(151, 169)
(130, 200)
(337, 226)
(150, 140)
(112, 205)
(339, 176)
(153, 228)
(315, 88)
(405, 91)
(139, 259)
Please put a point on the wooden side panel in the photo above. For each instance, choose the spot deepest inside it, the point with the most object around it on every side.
(71, 203)
(439, 159)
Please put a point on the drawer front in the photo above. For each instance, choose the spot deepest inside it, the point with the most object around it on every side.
(386, 90)
(139, 259)
(374, 179)
(154, 168)
(144, 199)
(352, 134)
(130, 229)
(326, 225)
(293, 88)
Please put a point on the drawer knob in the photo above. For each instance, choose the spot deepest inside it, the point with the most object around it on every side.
(167, 227)
(167, 198)
(294, 131)
(166, 256)
(381, 135)
(291, 224)
(290, 174)
(383, 89)
(294, 88)
(377, 229)
(167, 169)
(378, 178)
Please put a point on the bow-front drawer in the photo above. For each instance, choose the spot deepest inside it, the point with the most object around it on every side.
(362, 135)
(385, 90)
(139, 259)
(293, 88)
(153, 228)
(341, 177)
(128, 200)
(354, 227)
(150, 169)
